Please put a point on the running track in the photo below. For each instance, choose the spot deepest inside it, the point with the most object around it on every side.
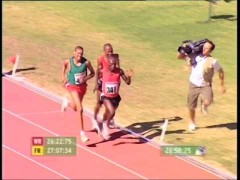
(28, 113)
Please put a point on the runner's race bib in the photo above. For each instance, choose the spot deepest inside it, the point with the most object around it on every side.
(79, 77)
(111, 88)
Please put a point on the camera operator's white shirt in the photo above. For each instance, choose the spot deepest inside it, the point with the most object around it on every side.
(196, 76)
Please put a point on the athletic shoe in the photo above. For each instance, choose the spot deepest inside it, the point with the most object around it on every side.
(83, 137)
(112, 124)
(64, 105)
(204, 110)
(95, 125)
(105, 135)
(192, 127)
(104, 131)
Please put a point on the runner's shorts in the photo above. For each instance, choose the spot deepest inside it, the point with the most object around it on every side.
(115, 100)
(81, 89)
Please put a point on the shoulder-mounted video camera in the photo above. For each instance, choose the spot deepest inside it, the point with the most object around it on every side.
(192, 48)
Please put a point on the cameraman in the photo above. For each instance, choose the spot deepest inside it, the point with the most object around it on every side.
(202, 71)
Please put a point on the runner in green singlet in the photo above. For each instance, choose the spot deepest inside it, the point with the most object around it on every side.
(74, 79)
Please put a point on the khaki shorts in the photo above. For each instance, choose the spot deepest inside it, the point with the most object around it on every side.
(194, 92)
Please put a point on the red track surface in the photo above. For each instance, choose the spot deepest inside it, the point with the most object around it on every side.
(28, 114)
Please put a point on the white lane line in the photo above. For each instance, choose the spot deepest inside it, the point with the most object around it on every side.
(80, 146)
(43, 112)
(32, 160)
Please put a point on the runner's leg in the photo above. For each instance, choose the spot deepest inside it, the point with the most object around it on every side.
(77, 99)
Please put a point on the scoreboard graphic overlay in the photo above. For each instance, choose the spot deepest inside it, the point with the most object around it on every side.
(54, 146)
(184, 150)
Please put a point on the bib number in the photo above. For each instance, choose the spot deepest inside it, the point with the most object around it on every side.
(79, 78)
(111, 88)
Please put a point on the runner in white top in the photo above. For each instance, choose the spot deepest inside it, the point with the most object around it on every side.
(203, 67)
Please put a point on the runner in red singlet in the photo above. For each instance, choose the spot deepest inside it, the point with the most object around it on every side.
(102, 63)
(110, 97)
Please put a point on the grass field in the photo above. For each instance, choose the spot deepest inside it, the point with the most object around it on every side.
(146, 35)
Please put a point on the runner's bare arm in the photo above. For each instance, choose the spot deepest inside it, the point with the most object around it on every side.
(126, 77)
(90, 68)
(99, 67)
(185, 57)
(118, 61)
(98, 76)
(221, 77)
(182, 56)
(98, 62)
(64, 71)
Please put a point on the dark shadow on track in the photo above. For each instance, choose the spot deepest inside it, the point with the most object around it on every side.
(20, 70)
(121, 134)
(231, 126)
(145, 127)
(228, 17)
(215, 18)
(141, 128)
